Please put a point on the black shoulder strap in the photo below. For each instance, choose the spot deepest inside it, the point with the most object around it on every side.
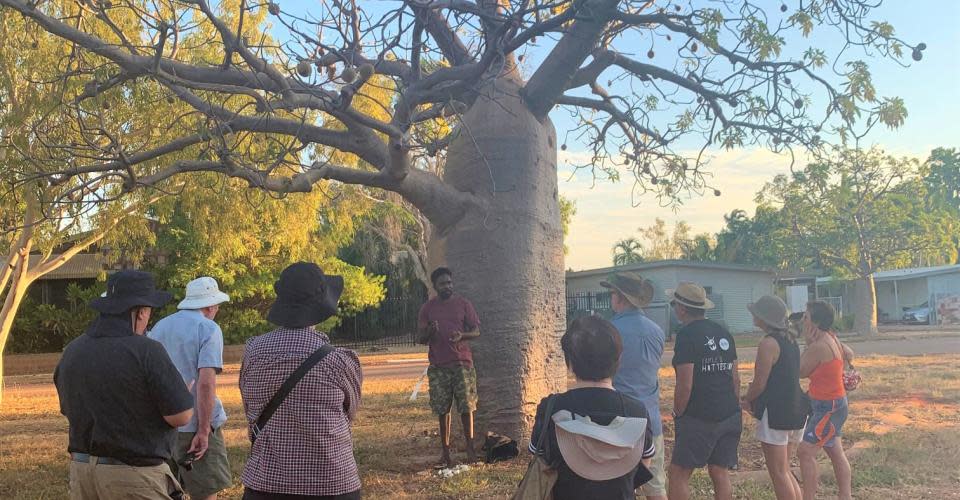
(288, 386)
(547, 418)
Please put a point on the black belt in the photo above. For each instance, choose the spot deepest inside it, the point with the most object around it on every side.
(86, 458)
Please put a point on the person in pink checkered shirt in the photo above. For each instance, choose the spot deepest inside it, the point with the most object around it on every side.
(305, 451)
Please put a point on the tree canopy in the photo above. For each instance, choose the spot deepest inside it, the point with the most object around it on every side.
(220, 80)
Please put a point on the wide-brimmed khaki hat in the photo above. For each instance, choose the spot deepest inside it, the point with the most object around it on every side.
(691, 295)
(771, 310)
(638, 291)
(600, 452)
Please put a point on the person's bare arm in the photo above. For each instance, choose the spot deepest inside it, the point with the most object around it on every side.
(206, 396)
(179, 419)
(458, 336)
(767, 354)
(427, 332)
(847, 353)
(810, 359)
(681, 395)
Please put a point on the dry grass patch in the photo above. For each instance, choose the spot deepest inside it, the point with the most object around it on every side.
(908, 406)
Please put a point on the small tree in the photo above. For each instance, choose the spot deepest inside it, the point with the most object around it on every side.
(858, 213)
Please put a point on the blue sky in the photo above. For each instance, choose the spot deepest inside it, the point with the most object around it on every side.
(607, 212)
(930, 89)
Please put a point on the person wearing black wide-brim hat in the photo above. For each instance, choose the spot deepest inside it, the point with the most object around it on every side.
(122, 396)
(308, 434)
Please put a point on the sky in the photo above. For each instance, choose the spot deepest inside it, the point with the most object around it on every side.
(930, 89)
(608, 211)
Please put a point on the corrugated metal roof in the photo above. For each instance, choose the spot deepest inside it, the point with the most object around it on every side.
(668, 263)
(81, 266)
(902, 274)
(915, 272)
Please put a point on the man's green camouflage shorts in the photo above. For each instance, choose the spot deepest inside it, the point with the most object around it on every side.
(453, 385)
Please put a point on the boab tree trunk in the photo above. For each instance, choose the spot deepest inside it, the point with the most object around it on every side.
(508, 257)
(865, 315)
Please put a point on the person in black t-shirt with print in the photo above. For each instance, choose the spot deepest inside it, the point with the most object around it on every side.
(706, 402)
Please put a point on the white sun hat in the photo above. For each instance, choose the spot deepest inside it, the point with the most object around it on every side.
(203, 292)
(600, 452)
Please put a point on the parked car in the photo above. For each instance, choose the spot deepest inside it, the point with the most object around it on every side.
(919, 315)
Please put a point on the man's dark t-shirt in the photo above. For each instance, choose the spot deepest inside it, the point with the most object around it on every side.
(712, 351)
(114, 388)
(601, 405)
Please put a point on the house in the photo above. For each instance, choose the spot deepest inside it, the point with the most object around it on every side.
(730, 286)
(51, 288)
(919, 295)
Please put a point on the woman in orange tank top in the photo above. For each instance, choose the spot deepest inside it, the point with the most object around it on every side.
(822, 362)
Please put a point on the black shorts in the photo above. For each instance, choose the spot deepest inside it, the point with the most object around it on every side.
(700, 442)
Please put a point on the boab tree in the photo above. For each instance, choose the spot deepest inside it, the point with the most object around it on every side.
(646, 81)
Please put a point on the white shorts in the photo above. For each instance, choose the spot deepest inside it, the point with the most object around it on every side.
(776, 437)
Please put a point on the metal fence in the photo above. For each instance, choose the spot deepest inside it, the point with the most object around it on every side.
(392, 323)
(585, 304)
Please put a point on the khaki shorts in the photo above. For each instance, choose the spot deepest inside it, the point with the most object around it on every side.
(456, 386)
(656, 487)
(93, 481)
(208, 475)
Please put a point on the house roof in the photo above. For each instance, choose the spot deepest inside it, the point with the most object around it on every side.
(668, 263)
(902, 274)
(82, 265)
(915, 272)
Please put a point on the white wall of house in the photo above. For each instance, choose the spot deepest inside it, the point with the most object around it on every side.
(945, 284)
(736, 287)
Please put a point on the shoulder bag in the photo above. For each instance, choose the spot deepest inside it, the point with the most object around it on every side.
(538, 481)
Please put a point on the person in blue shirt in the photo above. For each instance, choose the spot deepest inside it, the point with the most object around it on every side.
(637, 376)
(195, 344)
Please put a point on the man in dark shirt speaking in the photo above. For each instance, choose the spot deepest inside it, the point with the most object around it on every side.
(123, 398)
(446, 322)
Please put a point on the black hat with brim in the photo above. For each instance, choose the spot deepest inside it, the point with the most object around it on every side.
(128, 289)
(305, 296)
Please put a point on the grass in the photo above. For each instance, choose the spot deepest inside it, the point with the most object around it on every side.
(908, 407)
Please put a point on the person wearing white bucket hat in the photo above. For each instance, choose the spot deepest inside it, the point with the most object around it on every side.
(706, 402)
(599, 440)
(195, 344)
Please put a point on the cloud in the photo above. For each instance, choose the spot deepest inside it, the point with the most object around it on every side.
(605, 213)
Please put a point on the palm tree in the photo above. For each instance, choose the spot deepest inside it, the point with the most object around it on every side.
(627, 251)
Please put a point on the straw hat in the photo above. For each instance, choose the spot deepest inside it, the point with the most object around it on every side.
(691, 295)
(771, 310)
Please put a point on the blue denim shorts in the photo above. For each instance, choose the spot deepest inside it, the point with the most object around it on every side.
(826, 421)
